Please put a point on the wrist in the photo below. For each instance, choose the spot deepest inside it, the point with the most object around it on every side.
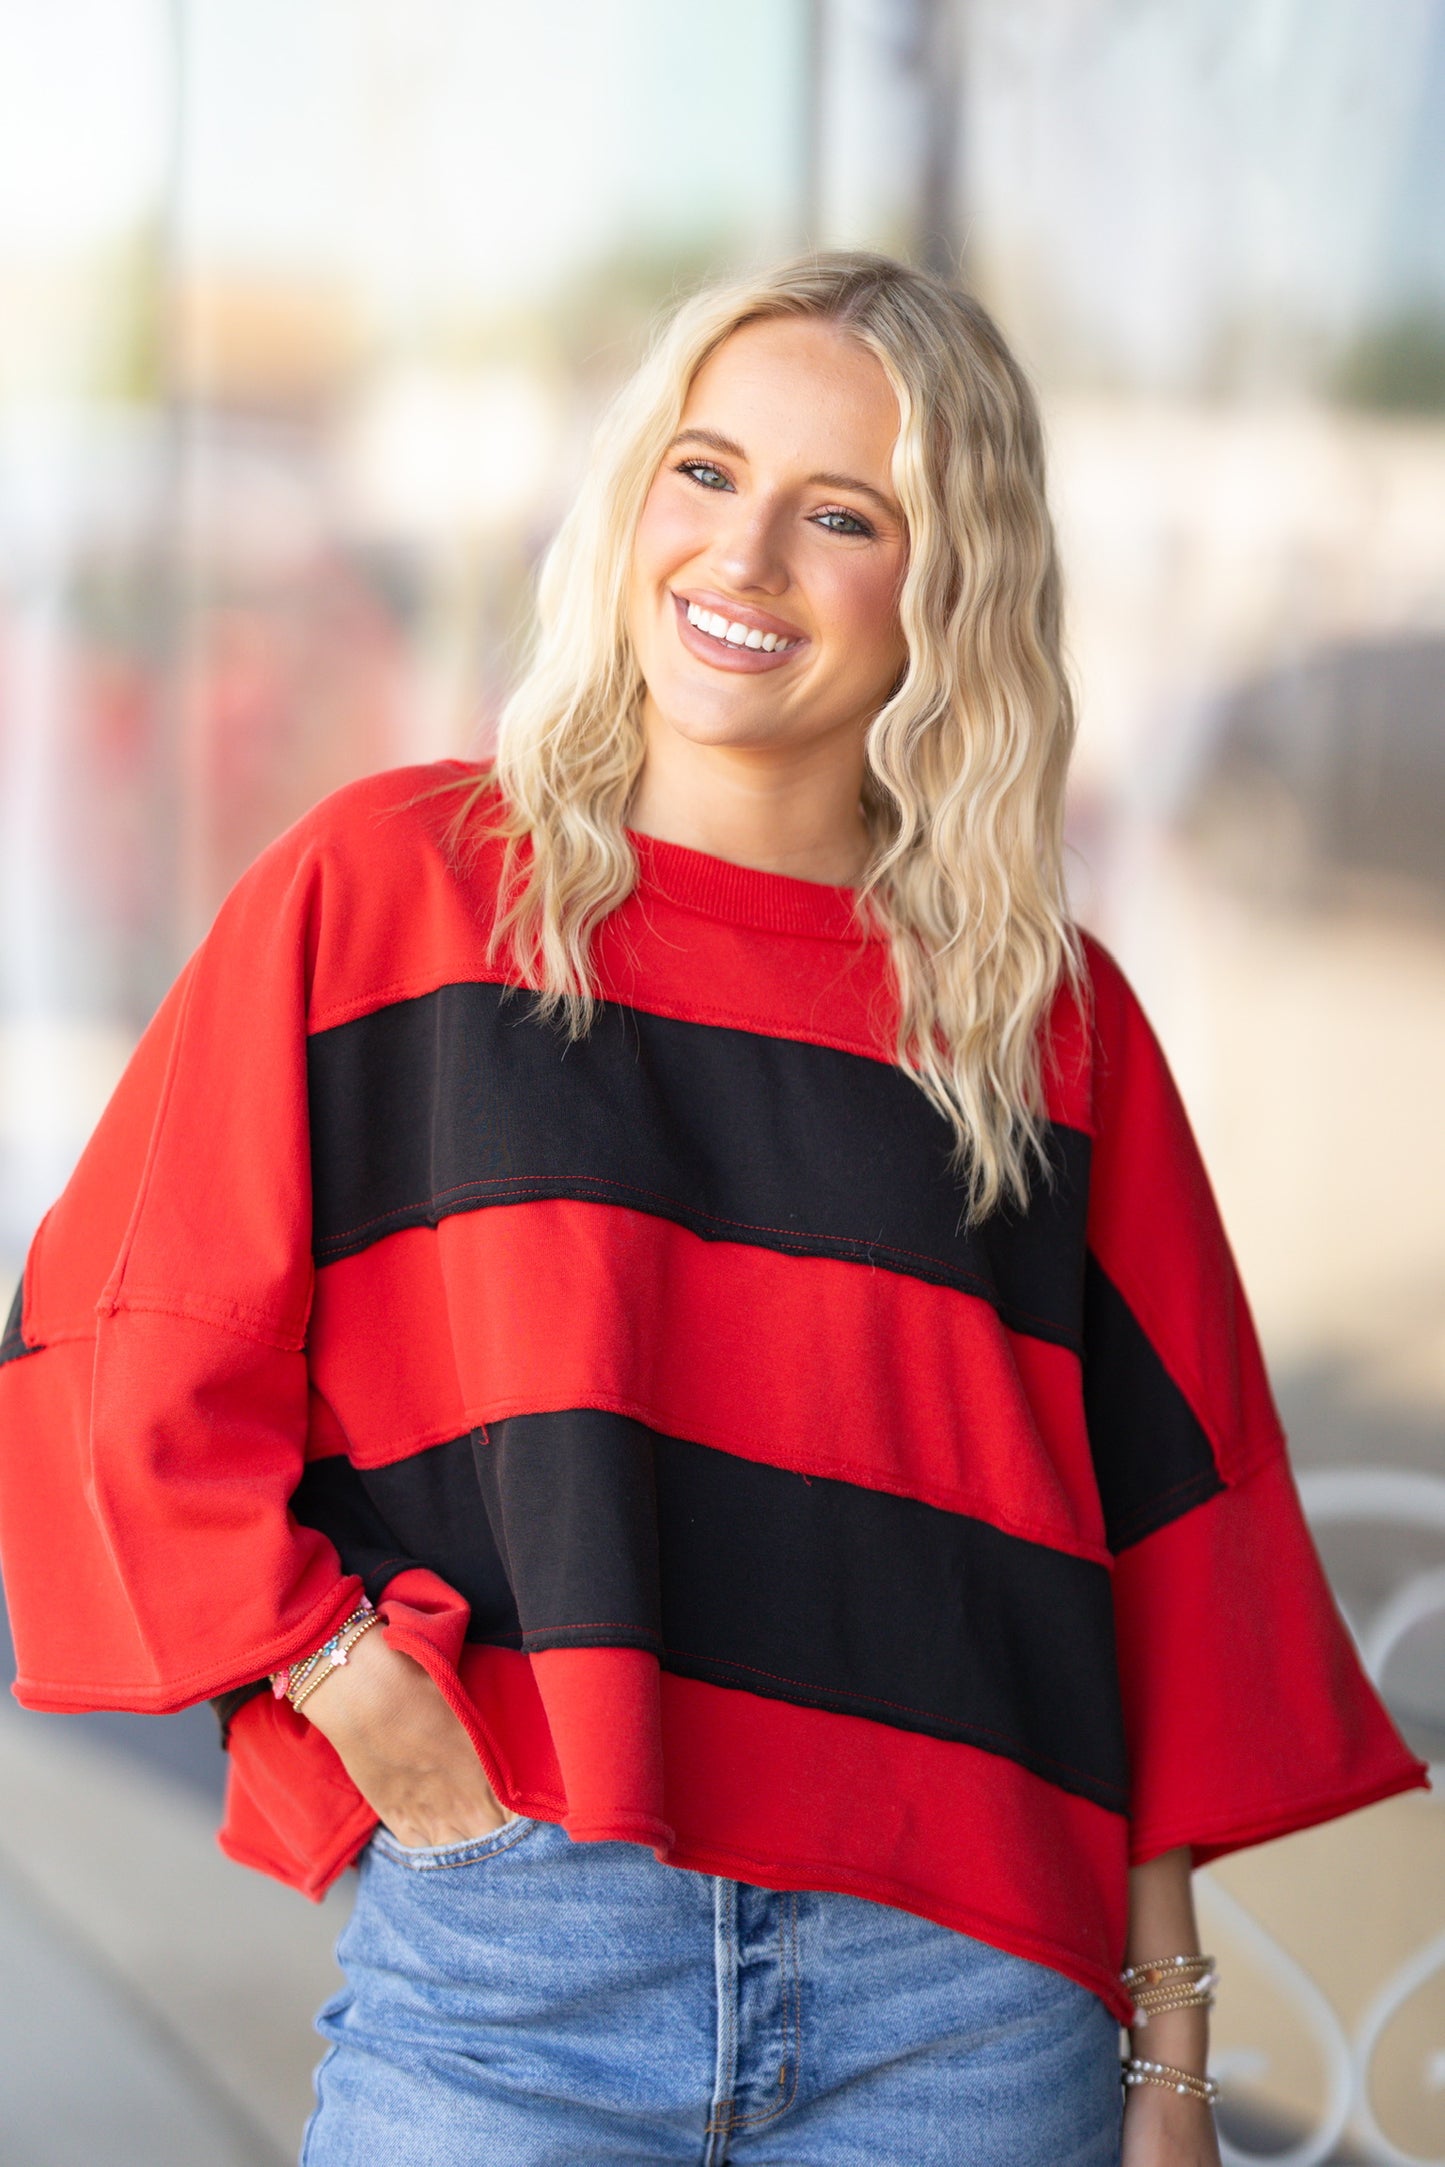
(1180, 2036)
(298, 1682)
(1169, 2035)
(1162, 2086)
(360, 1703)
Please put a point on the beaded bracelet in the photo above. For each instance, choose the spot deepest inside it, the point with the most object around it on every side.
(1137, 2071)
(338, 1655)
(304, 1681)
(1170, 1982)
(1160, 1969)
(298, 1681)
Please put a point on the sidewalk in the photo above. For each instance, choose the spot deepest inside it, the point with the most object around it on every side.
(155, 2000)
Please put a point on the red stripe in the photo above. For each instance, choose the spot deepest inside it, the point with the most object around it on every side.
(802, 1362)
(1228, 1633)
(653, 953)
(723, 1782)
(797, 1798)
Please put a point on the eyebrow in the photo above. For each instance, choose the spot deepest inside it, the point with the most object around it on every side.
(721, 443)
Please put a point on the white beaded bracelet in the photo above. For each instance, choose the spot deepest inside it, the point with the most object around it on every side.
(1137, 2071)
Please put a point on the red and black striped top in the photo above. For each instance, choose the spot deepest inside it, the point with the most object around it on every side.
(721, 1479)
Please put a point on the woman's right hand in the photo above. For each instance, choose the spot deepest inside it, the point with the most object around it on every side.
(403, 1748)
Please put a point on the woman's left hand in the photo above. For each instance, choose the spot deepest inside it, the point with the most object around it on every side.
(1165, 2129)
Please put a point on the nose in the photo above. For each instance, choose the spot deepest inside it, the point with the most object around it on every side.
(749, 549)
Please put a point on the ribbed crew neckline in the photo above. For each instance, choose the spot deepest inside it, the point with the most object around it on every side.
(743, 895)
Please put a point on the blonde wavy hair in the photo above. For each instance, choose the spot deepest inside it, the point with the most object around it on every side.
(966, 759)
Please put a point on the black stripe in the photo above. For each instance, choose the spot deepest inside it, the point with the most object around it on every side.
(1152, 1459)
(460, 1099)
(12, 1344)
(585, 1529)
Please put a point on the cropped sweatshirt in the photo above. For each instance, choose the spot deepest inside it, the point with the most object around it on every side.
(718, 1474)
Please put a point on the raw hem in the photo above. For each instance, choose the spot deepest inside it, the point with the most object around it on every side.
(736, 1866)
(48, 1697)
(622, 1828)
(316, 1879)
(447, 1680)
(960, 1918)
(1237, 1836)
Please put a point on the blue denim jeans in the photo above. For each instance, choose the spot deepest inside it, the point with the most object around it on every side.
(526, 2001)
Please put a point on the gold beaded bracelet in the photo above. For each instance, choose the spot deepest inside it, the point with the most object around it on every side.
(1159, 1970)
(298, 1681)
(336, 1653)
(1170, 1982)
(1137, 2071)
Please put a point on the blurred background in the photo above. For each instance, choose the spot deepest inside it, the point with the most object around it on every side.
(307, 308)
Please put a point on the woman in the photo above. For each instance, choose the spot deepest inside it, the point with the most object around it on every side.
(786, 1390)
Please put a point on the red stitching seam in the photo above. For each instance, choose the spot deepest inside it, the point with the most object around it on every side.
(967, 1503)
(1160, 1497)
(870, 1700)
(632, 1188)
(115, 1279)
(218, 1317)
(408, 989)
(1270, 1457)
(900, 1707)
(528, 1182)
(1182, 1374)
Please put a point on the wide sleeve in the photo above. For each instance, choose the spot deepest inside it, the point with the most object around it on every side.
(1247, 1712)
(153, 1374)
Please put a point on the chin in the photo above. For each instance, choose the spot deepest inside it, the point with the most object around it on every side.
(737, 730)
(707, 716)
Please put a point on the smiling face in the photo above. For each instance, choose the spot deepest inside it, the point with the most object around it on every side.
(770, 552)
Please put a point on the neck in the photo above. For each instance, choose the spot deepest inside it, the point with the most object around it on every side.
(794, 810)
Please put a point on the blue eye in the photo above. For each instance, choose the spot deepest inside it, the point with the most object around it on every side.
(859, 526)
(695, 469)
(694, 466)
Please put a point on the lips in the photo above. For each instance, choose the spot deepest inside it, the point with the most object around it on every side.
(759, 620)
(722, 654)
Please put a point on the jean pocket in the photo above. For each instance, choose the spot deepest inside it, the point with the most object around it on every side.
(429, 1858)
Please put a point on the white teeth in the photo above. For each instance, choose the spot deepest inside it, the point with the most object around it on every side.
(736, 635)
